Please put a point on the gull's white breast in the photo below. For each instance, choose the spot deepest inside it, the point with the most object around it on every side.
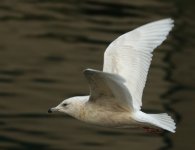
(105, 116)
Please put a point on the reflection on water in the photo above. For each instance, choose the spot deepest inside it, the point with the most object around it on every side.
(45, 45)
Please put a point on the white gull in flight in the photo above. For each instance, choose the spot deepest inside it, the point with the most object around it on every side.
(115, 98)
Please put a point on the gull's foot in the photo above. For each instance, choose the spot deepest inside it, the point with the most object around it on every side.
(152, 130)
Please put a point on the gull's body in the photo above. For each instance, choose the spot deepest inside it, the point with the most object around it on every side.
(116, 92)
(103, 115)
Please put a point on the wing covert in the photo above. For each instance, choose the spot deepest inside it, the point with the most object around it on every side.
(107, 87)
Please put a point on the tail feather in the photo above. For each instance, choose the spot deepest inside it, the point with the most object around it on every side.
(163, 120)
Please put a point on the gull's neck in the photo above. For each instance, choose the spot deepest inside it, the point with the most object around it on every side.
(79, 107)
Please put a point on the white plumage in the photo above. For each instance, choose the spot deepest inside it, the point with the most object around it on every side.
(130, 55)
(116, 93)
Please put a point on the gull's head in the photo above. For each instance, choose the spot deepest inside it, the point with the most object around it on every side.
(70, 106)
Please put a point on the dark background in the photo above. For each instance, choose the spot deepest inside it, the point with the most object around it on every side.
(45, 45)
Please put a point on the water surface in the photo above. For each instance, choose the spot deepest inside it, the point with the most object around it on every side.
(44, 47)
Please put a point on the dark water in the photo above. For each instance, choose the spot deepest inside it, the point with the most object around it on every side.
(45, 45)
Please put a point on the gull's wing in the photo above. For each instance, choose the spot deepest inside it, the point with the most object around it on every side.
(130, 55)
(107, 88)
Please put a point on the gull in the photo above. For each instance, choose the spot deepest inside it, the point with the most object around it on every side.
(115, 98)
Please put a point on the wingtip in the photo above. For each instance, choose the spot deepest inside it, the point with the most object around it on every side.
(167, 23)
(89, 72)
(86, 70)
(170, 21)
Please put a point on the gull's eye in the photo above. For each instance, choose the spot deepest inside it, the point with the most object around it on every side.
(64, 104)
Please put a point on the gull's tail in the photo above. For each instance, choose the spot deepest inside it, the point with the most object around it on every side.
(163, 120)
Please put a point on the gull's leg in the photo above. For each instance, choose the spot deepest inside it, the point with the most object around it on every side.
(152, 130)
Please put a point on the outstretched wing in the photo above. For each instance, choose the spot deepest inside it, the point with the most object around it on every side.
(130, 55)
(107, 88)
